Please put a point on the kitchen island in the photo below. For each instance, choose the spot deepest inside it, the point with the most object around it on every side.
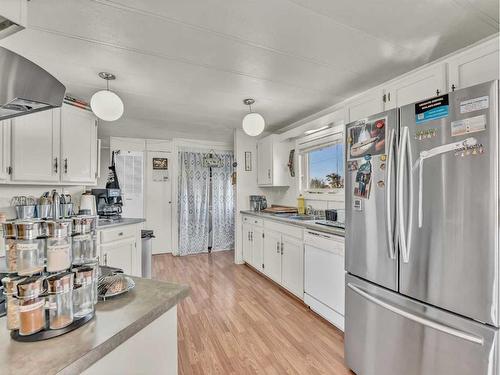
(132, 333)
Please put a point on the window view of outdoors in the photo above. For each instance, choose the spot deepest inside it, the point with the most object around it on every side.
(326, 167)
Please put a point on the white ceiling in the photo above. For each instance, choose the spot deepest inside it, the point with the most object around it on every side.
(185, 66)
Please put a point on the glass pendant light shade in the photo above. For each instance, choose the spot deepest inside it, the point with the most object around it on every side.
(253, 124)
(106, 105)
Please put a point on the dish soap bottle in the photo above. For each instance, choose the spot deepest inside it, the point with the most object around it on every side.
(301, 205)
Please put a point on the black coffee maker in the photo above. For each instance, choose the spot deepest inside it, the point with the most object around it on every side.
(109, 203)
(109, 200)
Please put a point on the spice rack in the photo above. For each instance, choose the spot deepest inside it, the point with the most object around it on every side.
(53, 268)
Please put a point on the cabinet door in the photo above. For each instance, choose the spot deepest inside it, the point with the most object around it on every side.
(424, 84)
(247, 244)
(5, 150)
(477, 65)
(292, 269)
(265, 161)
(119, 254)
(272, 255)
(365, 105)
(258, 248)
(78, 145)
(35, 147)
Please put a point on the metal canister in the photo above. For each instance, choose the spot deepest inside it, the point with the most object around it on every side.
(28, 230)
(84, 224)
(60, 228)
(9, 229)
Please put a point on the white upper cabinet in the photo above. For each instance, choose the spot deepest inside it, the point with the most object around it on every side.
(35, 146)
(475, 65)
(365, 105)
(78, 146)
(423, 84)
(265, 161)
(57, 146)
(5, 150)
(272, 162)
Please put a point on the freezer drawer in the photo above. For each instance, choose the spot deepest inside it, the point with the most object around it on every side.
(387, 333)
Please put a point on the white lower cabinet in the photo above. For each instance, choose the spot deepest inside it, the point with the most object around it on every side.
(272, 255)
(119, 254)
(120, 246)
(292, 265)
(253, 244)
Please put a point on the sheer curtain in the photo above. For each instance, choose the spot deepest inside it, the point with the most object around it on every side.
(194, 181)
(223, 204)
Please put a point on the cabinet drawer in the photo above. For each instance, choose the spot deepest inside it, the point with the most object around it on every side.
(117, 234)
(289, 230)
(252, 220)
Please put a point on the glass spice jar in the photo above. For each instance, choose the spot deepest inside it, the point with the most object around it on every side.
(59, 253)
(84, 248)
(31, 305)
(9, 234)
(11, 302)
(84, 292)
(30, 248)
(60, 290)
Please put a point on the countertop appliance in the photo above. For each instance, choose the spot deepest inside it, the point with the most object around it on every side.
(88, 204)
(109, 203)
(258, 202)
(324, 275)
(25, 87)
(422, 289)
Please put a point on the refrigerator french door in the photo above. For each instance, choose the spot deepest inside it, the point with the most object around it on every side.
(449, 244)
(370, 198)
(441, 314)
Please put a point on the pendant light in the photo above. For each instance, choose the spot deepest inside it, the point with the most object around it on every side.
(253, 123)
(105, 103)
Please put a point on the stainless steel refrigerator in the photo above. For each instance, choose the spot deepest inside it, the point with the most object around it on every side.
(422, 237)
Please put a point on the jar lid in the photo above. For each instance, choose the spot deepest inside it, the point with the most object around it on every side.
(83, 275)
(84, 224)
(30, 287)
(60, 228)
(28, 230)
(60, 283)
(9, 229)
(10, 283)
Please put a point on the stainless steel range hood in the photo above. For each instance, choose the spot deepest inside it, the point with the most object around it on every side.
(25, 87)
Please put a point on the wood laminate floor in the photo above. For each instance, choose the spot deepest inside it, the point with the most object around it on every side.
(237, 322)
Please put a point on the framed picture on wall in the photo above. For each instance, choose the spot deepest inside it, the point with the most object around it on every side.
(248, 161)
(160, 163)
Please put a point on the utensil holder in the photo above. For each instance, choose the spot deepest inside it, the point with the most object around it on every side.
(26, 212)
(44, 211)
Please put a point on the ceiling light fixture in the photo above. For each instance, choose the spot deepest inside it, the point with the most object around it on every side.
(312, 131)
(253, 123)
(105, 103)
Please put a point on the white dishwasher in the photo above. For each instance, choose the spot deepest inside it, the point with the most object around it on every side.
(324, 275)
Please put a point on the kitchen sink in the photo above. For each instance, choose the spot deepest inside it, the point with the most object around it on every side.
(302, 217)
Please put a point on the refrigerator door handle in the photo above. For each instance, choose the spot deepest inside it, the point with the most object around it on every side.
(388, 196)
(405, 165)
(416, 318)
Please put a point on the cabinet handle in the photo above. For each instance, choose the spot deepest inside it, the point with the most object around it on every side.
(66, 165)
(282, 248)
(106, 259)
(268, 173)
(120, 234)
(278, 247)
(56, 165)
(453, 87)
(437, 92)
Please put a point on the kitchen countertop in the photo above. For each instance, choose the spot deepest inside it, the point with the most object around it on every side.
(116, 320)
(308, 224)
(103, 224)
